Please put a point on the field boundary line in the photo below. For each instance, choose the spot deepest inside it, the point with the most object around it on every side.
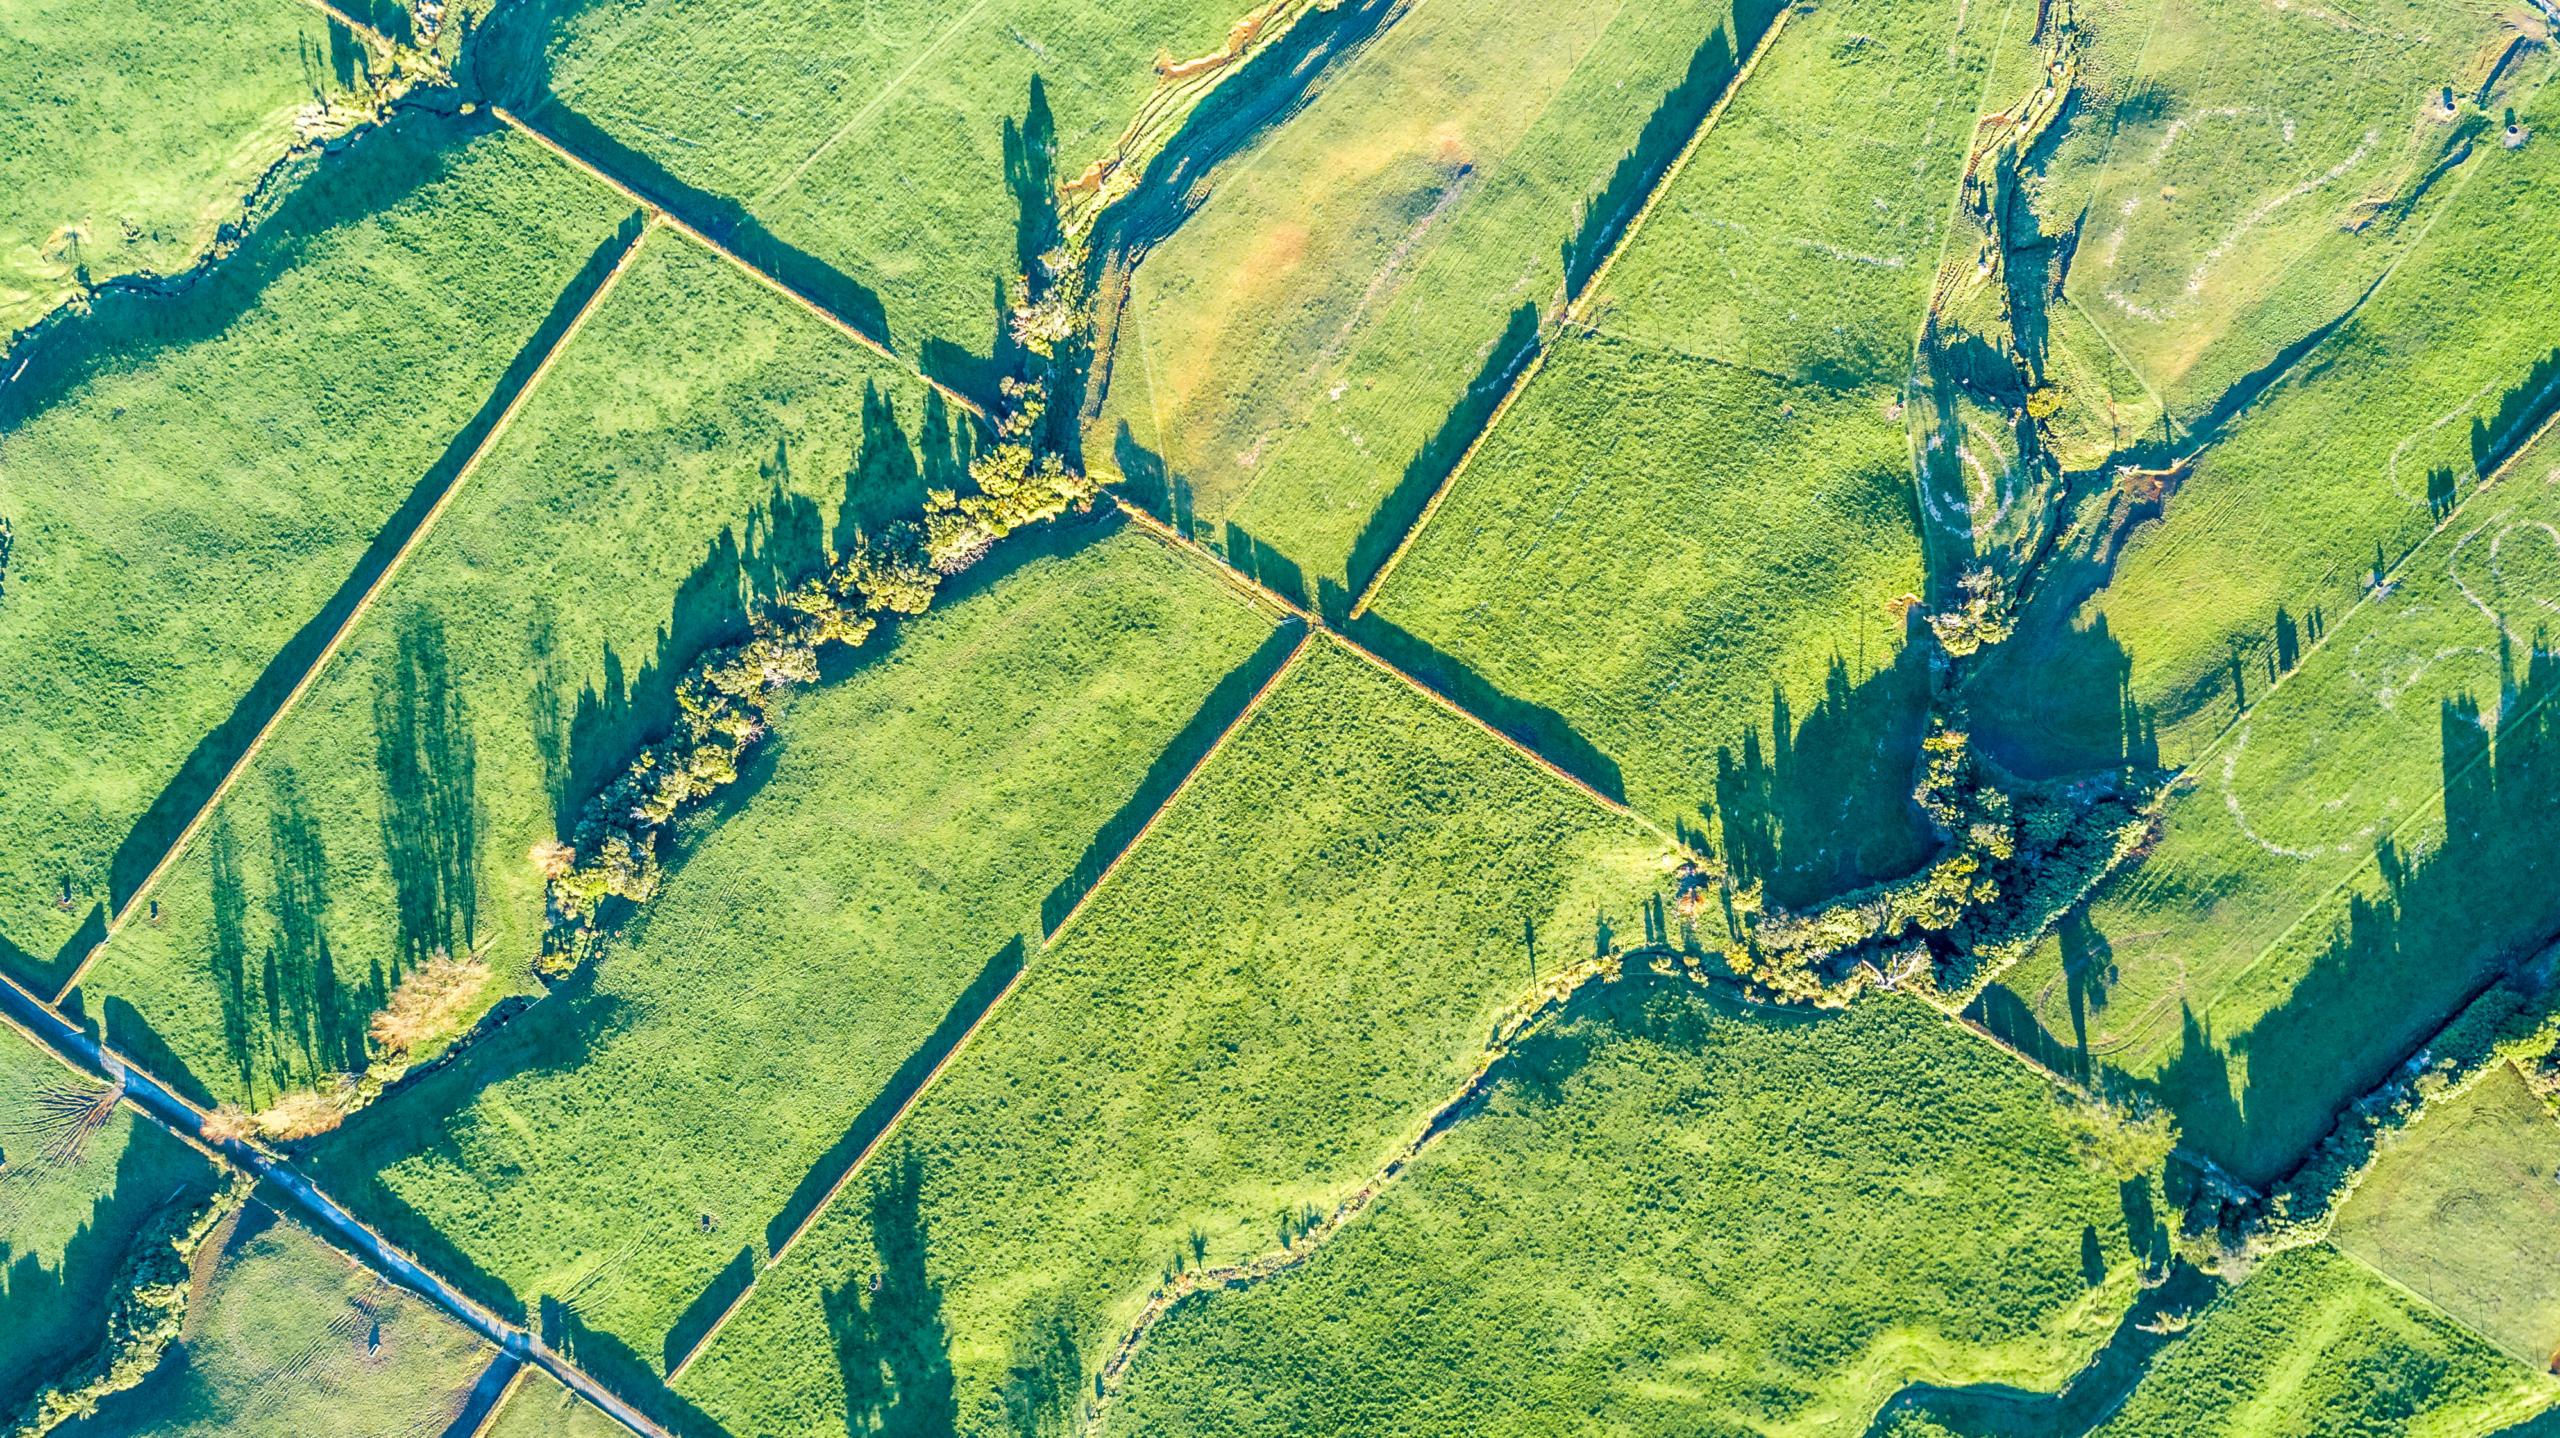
(1165, 533)
(506, 1395)
(1198, 767)
(329, 1220)
(352, 23)
(878, 1141)
(355, 614)
(772, 282)
(1253, 588)
(1576, 310)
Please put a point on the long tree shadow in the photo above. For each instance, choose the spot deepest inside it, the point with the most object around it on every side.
(2520, 412)
(891, 1344)
(2061, 702)
(1216, 714)
(509, 64)
(1826, 807)
(428, 767)
(1430, 467)
(2448, 922)
(1541, 730)
(221, 750)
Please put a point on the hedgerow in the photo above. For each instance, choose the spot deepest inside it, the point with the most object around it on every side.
(726, 700)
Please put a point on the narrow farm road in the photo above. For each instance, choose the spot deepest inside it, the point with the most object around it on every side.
(39, 1021)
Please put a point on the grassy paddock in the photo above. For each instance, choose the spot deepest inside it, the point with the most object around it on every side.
(1307, 354)
(701, 441)
(2313, 1344)
(1676, 1215)
(2343, 871)
(78, 1181)
(615, 1162)
(1296, 966)
(888, 166)
(2461, 1208)
(540, 1408)
(285, 1336)
(130, 134)
(2357, 454)
(2268, 163)
(199, 486)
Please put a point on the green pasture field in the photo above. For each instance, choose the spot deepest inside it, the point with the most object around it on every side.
(1308, 353)
(192, 485)
(1299, 963)
(287, 1337)
(129, 134)
(615, 1160)
(1671, 564)
(2342, 871)
(1802, 236)
(540, 1408)
(2462, 1208)
(2357, 452)
(2312, 1344)
(864, 153)
(2267, 165)
(1676, 1215)
(701, 439)
(1675, 575)
(70, 1208)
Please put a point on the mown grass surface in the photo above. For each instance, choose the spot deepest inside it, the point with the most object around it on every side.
(68, 1215)
(2355, 456)
(867, 157)
(1670, 565)
(2313, 1344)
(614, 1161)
(128, 134)
(287, 1337)
(2267, 165)
(701, 442)
(1297, 965)
(541, 1408)
(1678, 1215)
(192, 485)
(2462, 1207)
(2347, 867)
(1307, 354)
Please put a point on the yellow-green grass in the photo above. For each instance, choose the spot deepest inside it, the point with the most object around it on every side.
(2343, 870)
(1298, 964)
(286, 1336)
(2312, 1344)
(1306, 355)
(701, 439)
(1675, 575)
(863, 154)
(618, 1159)
(70, 1209)
(2355, 455)
(539, 1407)
(2268, 163)
(129, 135)
(2463, 1208)
(1802, 236)
(196, 485)
(1679, 1215)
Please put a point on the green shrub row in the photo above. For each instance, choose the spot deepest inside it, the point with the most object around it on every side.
(145, 1312)
(2517, 1020)
(725, 701)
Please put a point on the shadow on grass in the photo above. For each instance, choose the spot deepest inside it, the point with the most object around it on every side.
(624, 1374)
(892, 1346)
(220, 751)
(1215, 715)
(2061, 702)
(2448, 923)
(1541, 730)
(1827, 807)
(1997, 1410)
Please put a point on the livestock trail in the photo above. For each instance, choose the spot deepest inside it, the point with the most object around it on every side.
(356, 612)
